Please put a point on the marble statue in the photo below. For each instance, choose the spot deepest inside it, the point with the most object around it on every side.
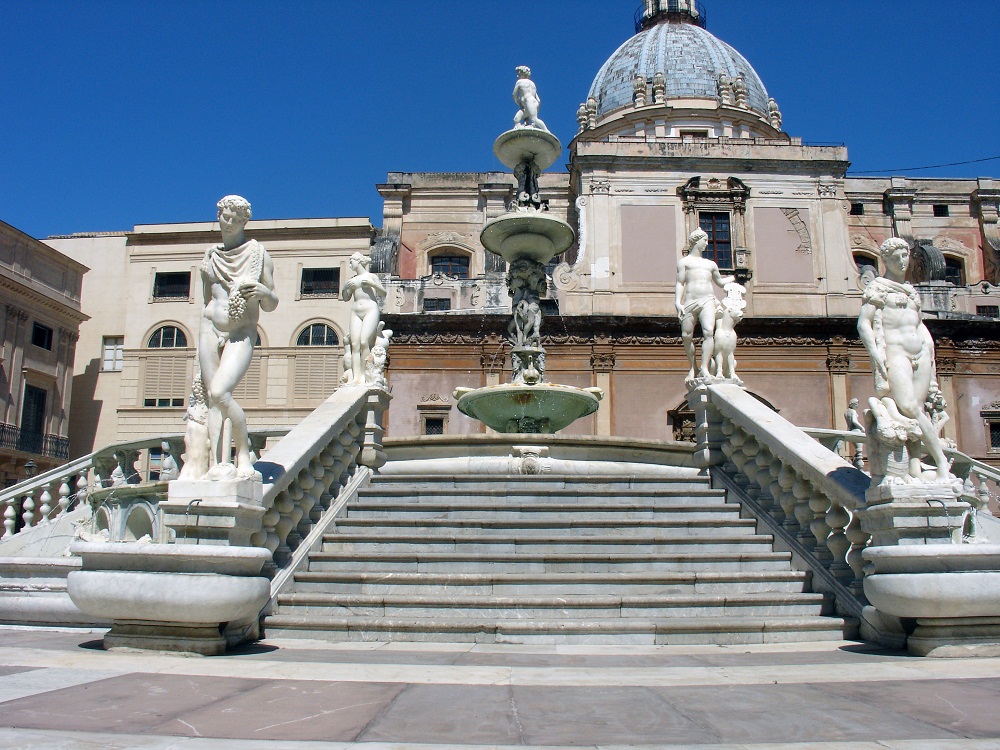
(196, 442)
(902, 356)
(364, 291)
(696, 303)
(238, 282)
(526, 283)
(727, 315)
(375, 362)
(851, 416)
(169, 470)
(526, 97)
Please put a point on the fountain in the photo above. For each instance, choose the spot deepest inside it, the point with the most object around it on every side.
(527, 237)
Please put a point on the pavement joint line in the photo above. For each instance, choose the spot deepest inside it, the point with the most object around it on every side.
(52, 739)
(431, 674)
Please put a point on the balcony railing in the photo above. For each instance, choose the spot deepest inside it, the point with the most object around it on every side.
(16, 439)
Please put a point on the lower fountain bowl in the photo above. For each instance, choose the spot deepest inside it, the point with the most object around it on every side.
(544, 408)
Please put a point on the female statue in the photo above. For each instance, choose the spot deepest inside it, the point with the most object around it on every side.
(238, 281)
(364, 291)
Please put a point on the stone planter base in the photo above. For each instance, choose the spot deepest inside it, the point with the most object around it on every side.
(956, 637)
(204, 639)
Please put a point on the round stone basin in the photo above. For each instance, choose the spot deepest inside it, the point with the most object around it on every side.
(544, 408)
(535, 236)
(527, 144)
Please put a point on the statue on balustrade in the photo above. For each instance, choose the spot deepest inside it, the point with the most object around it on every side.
(696, 304)
(238, 282)
(728, 313)
(899, 424)
(364, 291)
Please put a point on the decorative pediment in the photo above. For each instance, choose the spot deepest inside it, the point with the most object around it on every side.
(714, 192)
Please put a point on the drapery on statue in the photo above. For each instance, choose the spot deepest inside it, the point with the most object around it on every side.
(238, 282)
(696, 303)
(526, 97)
(902, 356)
(364, 291)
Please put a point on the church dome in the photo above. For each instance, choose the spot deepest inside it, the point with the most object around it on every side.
(690, 58)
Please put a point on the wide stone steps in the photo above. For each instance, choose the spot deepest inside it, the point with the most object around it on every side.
(549, 559)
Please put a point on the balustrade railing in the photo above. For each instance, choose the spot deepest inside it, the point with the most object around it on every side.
(802, 491)
(305, 472)
(46, 497)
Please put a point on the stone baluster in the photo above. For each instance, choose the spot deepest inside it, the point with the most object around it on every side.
(819, 504)
(802, 492)
(786, 480)
(838, 518)
(65, 499)
(82, 488)
(769, 500)
(28, 509)
(45, 506)
(788, 502)
(859, 539)
(10, 518)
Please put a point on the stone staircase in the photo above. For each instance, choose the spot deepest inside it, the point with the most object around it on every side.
(550, 559)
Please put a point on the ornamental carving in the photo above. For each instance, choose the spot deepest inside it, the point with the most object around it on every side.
(493, 363)
(782, 341)
(733, 193)
(827, 190)
(436, 400)
(16, 312)
(839, 363)
(600, 187)
(447, 238)
(795, 219)
(602, 362)
(947, 365)
(861, 242)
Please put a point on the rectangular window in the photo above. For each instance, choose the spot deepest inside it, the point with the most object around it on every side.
(995, 436)
(941, 210)
(320, 282)
(173, 285)
(41, 336)
(163, 403)
(434, 426)
(436, 304)
(689, 135)
(112, 349)
(451, 265)
(720, 244)
(857, 209)
(988, 311)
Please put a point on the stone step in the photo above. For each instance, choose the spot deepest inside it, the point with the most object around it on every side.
(494, 583)
(575, 607)
(429, 541)
(567, 562)
(503, 493)
(473, 509)
(627, 631)
(476, 483)
(533, 526)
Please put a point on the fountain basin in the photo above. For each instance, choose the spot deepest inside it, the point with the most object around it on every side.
(527, 144)
(544, 408)
(530, 235)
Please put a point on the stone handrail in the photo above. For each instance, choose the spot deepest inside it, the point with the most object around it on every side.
(49, 495)
(804, 492)
(306, 470)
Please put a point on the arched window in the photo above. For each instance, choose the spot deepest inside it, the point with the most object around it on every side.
(317, 334)
(954, 271)
(167, 337)
(861, 261)
(451, 264)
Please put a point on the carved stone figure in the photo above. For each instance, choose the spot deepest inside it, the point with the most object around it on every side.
(902, 355)
(727, 315)
(376, 361)
(851, 416)
(639, 91)
(774, 114)
(196, 442)
(169, 470)
(238, 282)
(725, 89)
(740, 91)
(526, 283)
(696, 303)
(364, 291)
(526, 97)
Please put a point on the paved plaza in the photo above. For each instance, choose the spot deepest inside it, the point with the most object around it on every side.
(59, 689)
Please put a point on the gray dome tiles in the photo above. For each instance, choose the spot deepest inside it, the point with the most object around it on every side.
(688, 56)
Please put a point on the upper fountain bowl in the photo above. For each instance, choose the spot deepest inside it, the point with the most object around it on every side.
(527, 144)
(533, 235)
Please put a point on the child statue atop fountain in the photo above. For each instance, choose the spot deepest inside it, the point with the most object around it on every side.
(696, 303)
(238, 282)
(902, 356)
(526, 97)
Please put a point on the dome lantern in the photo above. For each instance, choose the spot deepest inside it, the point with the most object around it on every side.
(653, 12)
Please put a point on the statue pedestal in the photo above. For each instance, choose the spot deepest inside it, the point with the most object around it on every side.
(920, 513)
(225, 512)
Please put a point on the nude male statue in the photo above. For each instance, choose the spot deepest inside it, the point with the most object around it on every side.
(526, 97)
(696, 303)
(238, 281)
(902, 356)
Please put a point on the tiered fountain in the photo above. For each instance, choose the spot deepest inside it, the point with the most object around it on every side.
(527, 237)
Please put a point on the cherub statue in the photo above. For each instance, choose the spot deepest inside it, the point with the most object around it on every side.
(526, 97)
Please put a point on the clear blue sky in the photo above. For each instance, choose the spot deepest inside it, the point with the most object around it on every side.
(118, 113)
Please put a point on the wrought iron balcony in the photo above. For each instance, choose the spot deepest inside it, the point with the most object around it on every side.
(37, 443)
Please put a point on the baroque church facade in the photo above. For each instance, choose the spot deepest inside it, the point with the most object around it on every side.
(676, 132)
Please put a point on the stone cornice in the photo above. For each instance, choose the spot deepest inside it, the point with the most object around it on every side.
(67, 310)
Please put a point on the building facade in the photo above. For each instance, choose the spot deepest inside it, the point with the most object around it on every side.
(676, 132)
(41, 321)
